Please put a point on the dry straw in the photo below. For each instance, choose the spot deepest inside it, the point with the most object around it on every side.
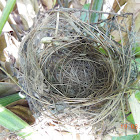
(76, 71)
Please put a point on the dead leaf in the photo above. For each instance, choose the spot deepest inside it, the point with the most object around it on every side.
(76, 4)
(12, 47)
(47, 3)
(21, 109)
(8, 68)
(35, 5)
(23, 112)
(2, 76)
(22, 102)
(8, 89)
(27, 12)
(116, 6)
(126, 23)
(130, 7)
(82, 2)
(3, 45)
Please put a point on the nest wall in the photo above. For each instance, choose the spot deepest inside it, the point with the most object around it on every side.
(75, 73)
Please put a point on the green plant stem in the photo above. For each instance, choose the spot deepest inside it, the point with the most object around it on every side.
(6, 12)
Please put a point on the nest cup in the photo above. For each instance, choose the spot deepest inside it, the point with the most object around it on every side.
(74, 72)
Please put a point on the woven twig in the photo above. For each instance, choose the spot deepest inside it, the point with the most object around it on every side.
(63, 65)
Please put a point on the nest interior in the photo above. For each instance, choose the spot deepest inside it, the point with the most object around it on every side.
(74, 72)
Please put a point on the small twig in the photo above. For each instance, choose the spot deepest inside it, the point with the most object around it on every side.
(123, 115)
(57, 24)
(82, 10)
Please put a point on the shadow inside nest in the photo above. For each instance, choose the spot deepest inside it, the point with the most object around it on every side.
(78, 71)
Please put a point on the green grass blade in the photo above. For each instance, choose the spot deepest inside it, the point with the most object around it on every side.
(85, 15)
(137, 51)
(102, 50)
(131, 119)
(97, 6)
(9, 99)
(137, 95)
(12, 122)
(5, 14)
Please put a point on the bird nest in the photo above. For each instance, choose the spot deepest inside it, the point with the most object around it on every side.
(74, 72)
